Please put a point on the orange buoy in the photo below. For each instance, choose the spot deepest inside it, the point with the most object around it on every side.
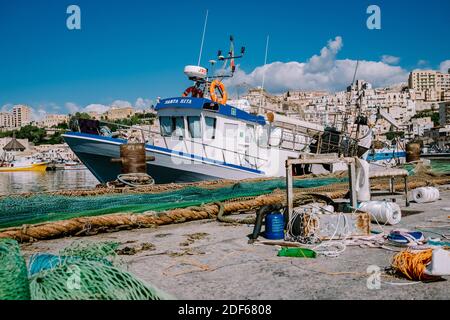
(216, 84)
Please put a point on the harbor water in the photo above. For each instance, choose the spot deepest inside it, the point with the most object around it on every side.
(22, 182)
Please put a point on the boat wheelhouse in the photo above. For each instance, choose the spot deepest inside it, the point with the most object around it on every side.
(201, 140)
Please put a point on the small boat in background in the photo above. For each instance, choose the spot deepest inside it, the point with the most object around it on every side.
(74, 165)
(387, 156)
(23, 164)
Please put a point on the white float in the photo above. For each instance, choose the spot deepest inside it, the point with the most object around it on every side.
(425, 195)
(382, 212)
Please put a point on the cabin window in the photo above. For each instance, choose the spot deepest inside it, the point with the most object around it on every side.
(166, 126)
(276, 135)
(210, 127)
(249, 134)
(178, 126)
(194, 127)
(262, 134)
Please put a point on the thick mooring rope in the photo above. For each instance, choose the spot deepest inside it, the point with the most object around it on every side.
(87, 226)
(116, 222)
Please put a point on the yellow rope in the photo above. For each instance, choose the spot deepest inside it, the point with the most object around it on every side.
(413, 264)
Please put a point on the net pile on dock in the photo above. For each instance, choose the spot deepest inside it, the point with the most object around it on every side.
(90, 274)
(13, 272)
(50, 216)
(38, 208)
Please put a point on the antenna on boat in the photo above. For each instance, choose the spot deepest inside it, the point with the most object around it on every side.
(356, 70)
(264, 74)
(349, 99)
(203, 38)
(230, 57)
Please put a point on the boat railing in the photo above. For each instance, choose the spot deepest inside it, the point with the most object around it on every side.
(245, 159)
(318, 142)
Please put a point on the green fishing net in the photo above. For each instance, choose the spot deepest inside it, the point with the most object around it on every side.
(16, 210)
(13, 272)
(437, 166)
(90, 280)
(82, 271)
(104, 251)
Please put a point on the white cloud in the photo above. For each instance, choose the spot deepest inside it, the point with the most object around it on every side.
(142, 103)
(389, 59)
(121, 104)
(99, 108)
(39, 114)
(444, 66)
(422, 63)
(324, 62)
(7, 107)
(72, 107)
(320, 72)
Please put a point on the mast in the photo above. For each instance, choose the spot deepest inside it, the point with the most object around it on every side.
(264, 75)
(203, 38)
(356, 70)
(350, 98)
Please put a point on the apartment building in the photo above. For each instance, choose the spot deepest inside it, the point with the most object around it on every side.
(22, 115)
(52, 120)
(434, 84)
(116, 113)
(6, 120)
(262, 102)
(420, 125)
(440, 136)
(444, 113)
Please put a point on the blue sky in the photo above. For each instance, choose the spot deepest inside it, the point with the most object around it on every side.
(137, 48)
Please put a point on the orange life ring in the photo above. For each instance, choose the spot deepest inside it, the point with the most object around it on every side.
(212, 91)
(194, 92)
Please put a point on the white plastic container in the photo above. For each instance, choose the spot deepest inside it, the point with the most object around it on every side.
(382, 212)
(425, 195)
(440, 263)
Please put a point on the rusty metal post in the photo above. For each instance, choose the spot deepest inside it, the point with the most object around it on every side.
(289, 190)
(391, 185)
(406, 190)
(352, 184)
(133, 158)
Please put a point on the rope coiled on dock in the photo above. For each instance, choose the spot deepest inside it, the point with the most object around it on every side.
(87, 226)
(413, 264)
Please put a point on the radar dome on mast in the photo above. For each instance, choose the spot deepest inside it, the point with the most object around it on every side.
(195, 73)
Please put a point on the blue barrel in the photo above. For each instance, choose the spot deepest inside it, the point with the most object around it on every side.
(274, 226)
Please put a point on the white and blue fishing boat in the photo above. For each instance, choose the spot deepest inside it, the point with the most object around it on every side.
(202, 137)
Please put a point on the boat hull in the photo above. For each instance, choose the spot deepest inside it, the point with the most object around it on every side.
(33, 167)
(386, 156)
(170, 166)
